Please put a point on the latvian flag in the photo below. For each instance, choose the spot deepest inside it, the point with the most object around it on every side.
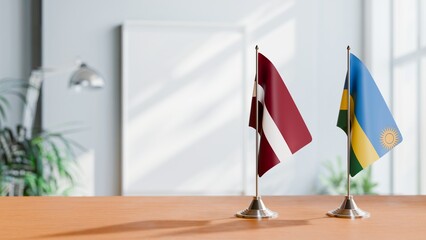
(281, 127)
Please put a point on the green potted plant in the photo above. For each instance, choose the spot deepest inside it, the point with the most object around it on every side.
(334, 180)
(40, 164)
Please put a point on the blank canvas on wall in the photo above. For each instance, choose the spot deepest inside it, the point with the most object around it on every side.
(182, 109)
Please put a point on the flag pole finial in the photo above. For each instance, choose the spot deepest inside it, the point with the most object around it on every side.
(348, 48)
(257, 47)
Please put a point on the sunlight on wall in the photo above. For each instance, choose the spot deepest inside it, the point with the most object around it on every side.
(186, 110)
(265, 13)
(405, 33)
(397, 58)
(280, 43)
(206, 51)
(187, 100)
(405, 107)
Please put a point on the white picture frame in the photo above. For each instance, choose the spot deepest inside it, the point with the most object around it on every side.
(170, 149)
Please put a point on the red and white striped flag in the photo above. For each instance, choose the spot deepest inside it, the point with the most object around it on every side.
(281, 127)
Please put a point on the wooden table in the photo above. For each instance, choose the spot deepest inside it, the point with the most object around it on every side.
(392, 217)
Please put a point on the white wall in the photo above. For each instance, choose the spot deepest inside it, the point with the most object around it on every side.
(15, 47)
(306, 39)
(395, 56)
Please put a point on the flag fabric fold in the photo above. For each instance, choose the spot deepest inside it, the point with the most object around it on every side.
(281, 127)
(374, 131)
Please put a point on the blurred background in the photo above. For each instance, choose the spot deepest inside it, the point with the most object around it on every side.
(172, 117)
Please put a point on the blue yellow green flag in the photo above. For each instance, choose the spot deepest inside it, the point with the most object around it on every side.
(374, 131)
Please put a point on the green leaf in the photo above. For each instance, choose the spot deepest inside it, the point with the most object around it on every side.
(334, 181)
(30, 180)
(46, 160)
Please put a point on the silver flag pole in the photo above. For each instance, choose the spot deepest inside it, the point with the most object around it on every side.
(257, 208)
(348, 208)
(257, 121)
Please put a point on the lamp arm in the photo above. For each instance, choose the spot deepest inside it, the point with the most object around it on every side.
(83, 76)
(33, 93)
(32, 96)
(48, 71)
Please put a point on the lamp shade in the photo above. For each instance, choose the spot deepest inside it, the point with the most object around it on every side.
(86, 77)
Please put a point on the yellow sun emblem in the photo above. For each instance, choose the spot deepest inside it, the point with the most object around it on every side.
(389, 138)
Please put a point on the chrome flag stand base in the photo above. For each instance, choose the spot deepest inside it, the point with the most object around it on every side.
(348, 209)
(257, 209)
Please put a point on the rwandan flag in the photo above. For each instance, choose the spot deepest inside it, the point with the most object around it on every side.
(374, 131)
